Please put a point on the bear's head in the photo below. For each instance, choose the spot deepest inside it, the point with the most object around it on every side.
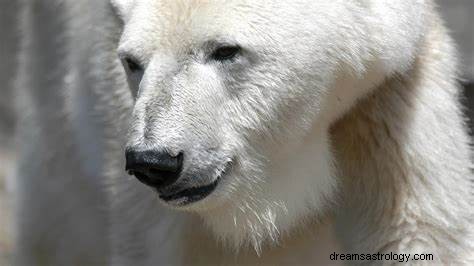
(234, 100)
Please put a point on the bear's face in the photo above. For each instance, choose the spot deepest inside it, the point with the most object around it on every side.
(233, 101)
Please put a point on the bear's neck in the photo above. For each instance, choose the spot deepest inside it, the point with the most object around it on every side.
(399, 150)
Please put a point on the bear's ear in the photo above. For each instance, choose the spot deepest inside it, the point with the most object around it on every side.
(122, 7)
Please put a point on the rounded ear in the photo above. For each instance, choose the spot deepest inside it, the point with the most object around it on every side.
(122, 7)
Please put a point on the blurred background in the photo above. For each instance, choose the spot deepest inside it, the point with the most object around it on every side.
(459, 15)
(8, 45)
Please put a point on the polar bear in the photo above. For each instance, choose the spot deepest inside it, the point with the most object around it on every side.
(250, 124)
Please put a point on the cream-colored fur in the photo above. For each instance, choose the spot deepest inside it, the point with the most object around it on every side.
(397, 147)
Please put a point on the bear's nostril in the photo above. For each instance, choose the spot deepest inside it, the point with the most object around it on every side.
(160, 178)
(154, 168)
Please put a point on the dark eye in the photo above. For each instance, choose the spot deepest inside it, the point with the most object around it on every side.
(226, 53)
(132, 65)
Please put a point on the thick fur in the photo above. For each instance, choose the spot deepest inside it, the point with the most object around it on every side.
(335, 112)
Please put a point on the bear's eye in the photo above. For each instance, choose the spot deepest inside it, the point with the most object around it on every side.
(132, 65)
(225, 53)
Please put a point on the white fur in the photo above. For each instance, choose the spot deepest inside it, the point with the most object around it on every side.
(335, 109)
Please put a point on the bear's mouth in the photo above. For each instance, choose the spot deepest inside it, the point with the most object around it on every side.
(190, 195)
(193, 194)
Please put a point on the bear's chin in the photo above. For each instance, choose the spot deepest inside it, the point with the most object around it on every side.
(254, 222)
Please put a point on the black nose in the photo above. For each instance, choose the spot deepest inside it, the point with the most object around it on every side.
(157, 169)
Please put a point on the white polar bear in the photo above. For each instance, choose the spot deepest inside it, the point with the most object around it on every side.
(252, 122)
